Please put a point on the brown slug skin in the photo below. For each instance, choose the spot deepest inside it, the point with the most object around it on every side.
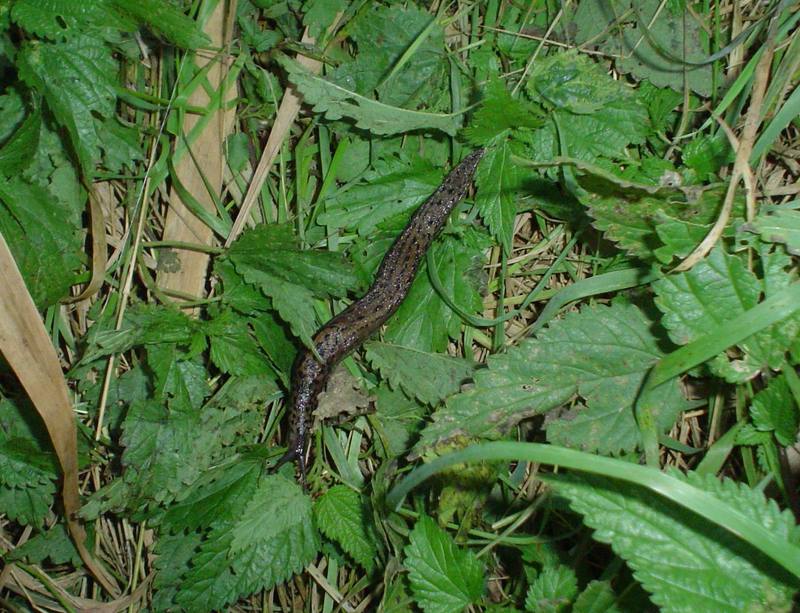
(345, 332)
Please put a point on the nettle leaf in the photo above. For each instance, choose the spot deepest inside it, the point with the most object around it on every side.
(686, 563)
(27, 481)
(166, 20)
(498, 113)
(780, 226)
(336, 102)
(601, 353)
(499, 183)
(774, 409)
(654, 227)
(216, 497)
(144, 325)
(395, 188)
(269, 257)
(61, 18)
(598, 597)
(44, 237)
(714, 291)
(424, 321)
(233, 348)
(383, 35)
(659, 54)
(54, 544)
(319, 14)
(398, 419)
(552, 590)
(342, 515)
(77, 78)
(593, 115)
(444, 577)
(241, 556)
(429, 377)
(15, 155)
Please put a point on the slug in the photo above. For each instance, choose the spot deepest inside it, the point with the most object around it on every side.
(347, 330)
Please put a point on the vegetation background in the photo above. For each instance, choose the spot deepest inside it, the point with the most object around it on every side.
(597, 365)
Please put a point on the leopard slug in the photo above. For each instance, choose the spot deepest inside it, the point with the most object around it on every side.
(347, 330)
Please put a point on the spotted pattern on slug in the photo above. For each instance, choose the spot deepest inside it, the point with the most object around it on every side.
(345, 332)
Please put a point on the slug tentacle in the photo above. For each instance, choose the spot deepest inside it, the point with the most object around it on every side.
(347, 330)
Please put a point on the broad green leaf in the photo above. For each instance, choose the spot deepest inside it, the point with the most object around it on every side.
(649, 45)
(716, 290)
(342, 515)
(499, 113)
(598, 597)
(337, 102)
(499, 182)
(401, 56)
(654, 226)
(269, 258)
(54, 544)
(43, 233)
(552, 591)
(395, 187)
(686, 563)
(780, 226)
(166, 20)
(77, 79)
(444, 578)
(64, 18)
(27, 481)
(774, 410)
(398, 419)
(320, 14)
(233, 349)
(242, 556)
(429, 377)
(601, 354)
(16, 152)
(592, 115)
(424, 321)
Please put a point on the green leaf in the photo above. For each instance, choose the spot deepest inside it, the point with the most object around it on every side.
(429, 377)
(398, 419)
(54, 544)
(27, 481)
(395, 188)
(593, 115)
(401, 56)
(247, 554)
(342, 515)
(165, 20)
(774, 409)
(424, 321)
(654, 226)
(706, 155)
(598, 597)
(499, 183)
(780, 226)
(43, 235)
(320, 14)
(714, 291)
(77, 78)
(444, 578)
(498, 113)
(16, 152)
(601, 353)
(269, 258)
(647, 45)
(63, 18)
(708, 568)
(233, 348)
(336, 102)
(553, 590)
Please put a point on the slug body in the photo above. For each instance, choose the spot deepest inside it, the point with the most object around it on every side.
(347, 330)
